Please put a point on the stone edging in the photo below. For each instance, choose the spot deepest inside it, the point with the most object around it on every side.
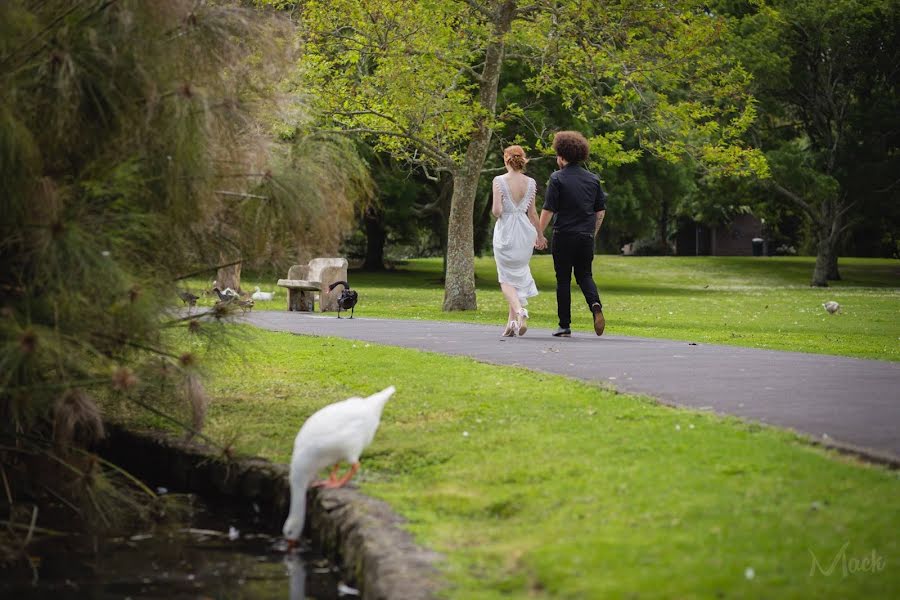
(360, 533)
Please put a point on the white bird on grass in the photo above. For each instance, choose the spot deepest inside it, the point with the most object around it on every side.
(335, 433)
(832, 307)
(264, 296)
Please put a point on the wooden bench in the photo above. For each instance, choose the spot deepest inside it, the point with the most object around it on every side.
(304, 281)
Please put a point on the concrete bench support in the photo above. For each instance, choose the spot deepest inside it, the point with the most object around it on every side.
(300, 293)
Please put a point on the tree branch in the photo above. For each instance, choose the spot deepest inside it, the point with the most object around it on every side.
(484, 10)
(463, 67)
(241, 194)
(847, 226)
(208, 270)
(527, 11)
(846, 209)
(500, 169)
(795, 199)
(444, 159)
(428, 175)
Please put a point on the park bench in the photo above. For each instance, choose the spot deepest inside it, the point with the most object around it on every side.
(308, 283)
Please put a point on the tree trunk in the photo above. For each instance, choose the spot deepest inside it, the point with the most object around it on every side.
(375, 238)
(824, 258)
(827, 223)
(459, 284)
(662, 229)
(441, 218)
(483, 226)
(833, 273)
(230, 276)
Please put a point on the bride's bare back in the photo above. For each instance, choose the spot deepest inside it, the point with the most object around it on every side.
(517, 184)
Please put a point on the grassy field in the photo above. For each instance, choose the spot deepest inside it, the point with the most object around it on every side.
(756, 302)
(535, 486)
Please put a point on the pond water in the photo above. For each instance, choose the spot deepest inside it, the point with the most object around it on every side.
(203, 553)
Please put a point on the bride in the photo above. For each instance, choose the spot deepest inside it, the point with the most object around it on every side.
(515, 237)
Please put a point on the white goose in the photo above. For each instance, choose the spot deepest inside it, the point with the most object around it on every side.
(335, 433)
(263, 296)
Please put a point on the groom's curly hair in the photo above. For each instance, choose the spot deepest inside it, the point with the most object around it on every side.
(571, 146)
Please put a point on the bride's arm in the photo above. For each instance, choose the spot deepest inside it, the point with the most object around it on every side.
(497, 206)
(541, 242)
(533, 217)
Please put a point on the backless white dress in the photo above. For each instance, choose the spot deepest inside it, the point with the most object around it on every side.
(514, 238)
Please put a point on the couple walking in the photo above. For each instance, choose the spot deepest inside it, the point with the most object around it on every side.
(577, 201)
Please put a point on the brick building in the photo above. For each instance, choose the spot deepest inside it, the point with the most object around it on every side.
(731, 239)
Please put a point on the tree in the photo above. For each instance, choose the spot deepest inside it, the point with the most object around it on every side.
(825, 75)
(419, 79)
(392, 213)
(131, 134)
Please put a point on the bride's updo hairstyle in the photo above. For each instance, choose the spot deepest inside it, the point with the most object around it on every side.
(514, 156)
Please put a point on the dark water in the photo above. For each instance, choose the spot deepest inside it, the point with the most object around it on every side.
(191, 556)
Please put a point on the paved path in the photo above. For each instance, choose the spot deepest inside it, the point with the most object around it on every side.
(841, 401)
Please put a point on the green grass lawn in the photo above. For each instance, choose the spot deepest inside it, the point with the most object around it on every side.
(757, 302)
(536, 486)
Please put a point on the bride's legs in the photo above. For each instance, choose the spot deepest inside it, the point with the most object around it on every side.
(515, 306)
(512, 298)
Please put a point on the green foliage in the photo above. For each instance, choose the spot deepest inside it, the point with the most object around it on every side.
(132, 142)
(417, 79)
(824, 75)
(399, 70)
(403, 218)
(661, 74)
(406, 74)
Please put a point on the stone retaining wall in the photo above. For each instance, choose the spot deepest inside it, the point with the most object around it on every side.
(361, 534)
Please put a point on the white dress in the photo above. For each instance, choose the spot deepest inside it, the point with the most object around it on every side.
(514, 238)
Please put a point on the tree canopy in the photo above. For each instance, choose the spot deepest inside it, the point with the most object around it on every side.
(825, 75)
(419, 79)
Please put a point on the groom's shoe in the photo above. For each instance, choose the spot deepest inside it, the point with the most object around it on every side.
(563, 332)
(599, 319)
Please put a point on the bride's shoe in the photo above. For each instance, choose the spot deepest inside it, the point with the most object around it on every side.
(522, 322)
(510, 330)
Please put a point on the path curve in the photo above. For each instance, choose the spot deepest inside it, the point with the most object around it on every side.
(844, 402)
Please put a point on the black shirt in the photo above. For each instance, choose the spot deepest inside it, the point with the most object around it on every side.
(575, 195)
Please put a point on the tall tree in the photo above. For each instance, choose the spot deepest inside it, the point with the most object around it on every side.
(419, 78)
(826, 77)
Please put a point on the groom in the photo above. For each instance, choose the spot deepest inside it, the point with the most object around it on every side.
(575, 197)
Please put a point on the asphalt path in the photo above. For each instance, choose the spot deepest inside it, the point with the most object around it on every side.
(844, 402)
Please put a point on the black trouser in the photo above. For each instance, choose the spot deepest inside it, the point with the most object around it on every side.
(573, 251)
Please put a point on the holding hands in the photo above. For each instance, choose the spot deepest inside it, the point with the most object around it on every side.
(540, 243)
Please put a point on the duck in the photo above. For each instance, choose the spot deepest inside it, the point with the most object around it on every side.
(188, 298)
(245, 305)
(337, 432)
(225, 295)
(263, 296)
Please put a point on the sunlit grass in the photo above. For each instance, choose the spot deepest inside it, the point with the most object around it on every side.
(535, 486)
